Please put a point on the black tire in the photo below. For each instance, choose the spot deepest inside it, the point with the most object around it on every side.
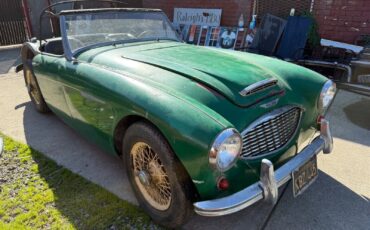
(33, 89)
(182, 191)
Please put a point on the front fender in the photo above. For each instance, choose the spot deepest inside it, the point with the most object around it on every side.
(189, 131)
(188, 126)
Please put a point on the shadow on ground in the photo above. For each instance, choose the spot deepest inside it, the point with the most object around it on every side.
(349, 117)
(359, 113)
(48, 134)
(327, 204)
(84, 204)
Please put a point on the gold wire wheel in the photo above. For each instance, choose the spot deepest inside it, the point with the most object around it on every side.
(150, 176)
(32, 86)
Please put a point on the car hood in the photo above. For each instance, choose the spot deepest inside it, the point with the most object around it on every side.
(204, 75)
(225, 72)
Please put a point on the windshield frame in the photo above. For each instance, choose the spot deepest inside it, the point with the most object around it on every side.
(71, 54)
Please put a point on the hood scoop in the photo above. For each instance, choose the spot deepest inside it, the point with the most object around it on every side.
(239, 79)
(258, 86)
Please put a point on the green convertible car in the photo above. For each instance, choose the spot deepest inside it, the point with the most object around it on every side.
(198, 129)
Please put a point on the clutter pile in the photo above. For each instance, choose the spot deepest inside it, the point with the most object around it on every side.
(290, 39)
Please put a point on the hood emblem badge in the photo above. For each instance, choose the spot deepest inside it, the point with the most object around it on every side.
(270, 104)
(258, 86)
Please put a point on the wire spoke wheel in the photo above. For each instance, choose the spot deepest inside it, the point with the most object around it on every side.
(32, 87)
(150, 176)
(161, 185)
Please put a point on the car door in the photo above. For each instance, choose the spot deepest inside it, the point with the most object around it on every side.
(47, 68)
(89, 106)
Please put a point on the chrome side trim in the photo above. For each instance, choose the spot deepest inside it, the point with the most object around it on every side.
(265, 189)
(249, 89)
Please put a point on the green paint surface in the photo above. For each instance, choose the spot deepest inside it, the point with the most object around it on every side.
(189, 93)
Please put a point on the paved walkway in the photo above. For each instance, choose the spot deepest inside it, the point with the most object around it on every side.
(340, 198)
(8, 58)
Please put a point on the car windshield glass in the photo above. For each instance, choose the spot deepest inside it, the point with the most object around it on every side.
(94, 28)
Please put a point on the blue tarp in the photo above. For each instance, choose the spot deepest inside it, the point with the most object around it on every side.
(294, 38)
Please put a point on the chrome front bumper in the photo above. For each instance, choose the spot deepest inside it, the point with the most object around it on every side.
(270, 180)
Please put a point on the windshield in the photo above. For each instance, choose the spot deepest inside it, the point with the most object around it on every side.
(113, 27)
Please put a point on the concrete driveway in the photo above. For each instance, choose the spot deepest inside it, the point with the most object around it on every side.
(8, 58)
(340, 198)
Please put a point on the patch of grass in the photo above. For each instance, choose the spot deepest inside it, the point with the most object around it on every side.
(36, 193)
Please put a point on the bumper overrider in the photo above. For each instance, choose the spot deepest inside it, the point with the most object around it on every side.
(270, 180)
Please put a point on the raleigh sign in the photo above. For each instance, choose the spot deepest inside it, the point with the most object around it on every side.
(193, 16)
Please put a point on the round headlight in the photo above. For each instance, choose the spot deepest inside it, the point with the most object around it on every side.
(326, 97)
(225, 149)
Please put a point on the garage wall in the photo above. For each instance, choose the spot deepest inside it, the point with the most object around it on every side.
(340, 20)
(343, 20)
(231, 9)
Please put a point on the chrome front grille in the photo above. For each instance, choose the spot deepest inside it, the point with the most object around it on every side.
(270, 132)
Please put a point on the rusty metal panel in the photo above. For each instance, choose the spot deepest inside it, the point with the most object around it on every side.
(12, 24)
